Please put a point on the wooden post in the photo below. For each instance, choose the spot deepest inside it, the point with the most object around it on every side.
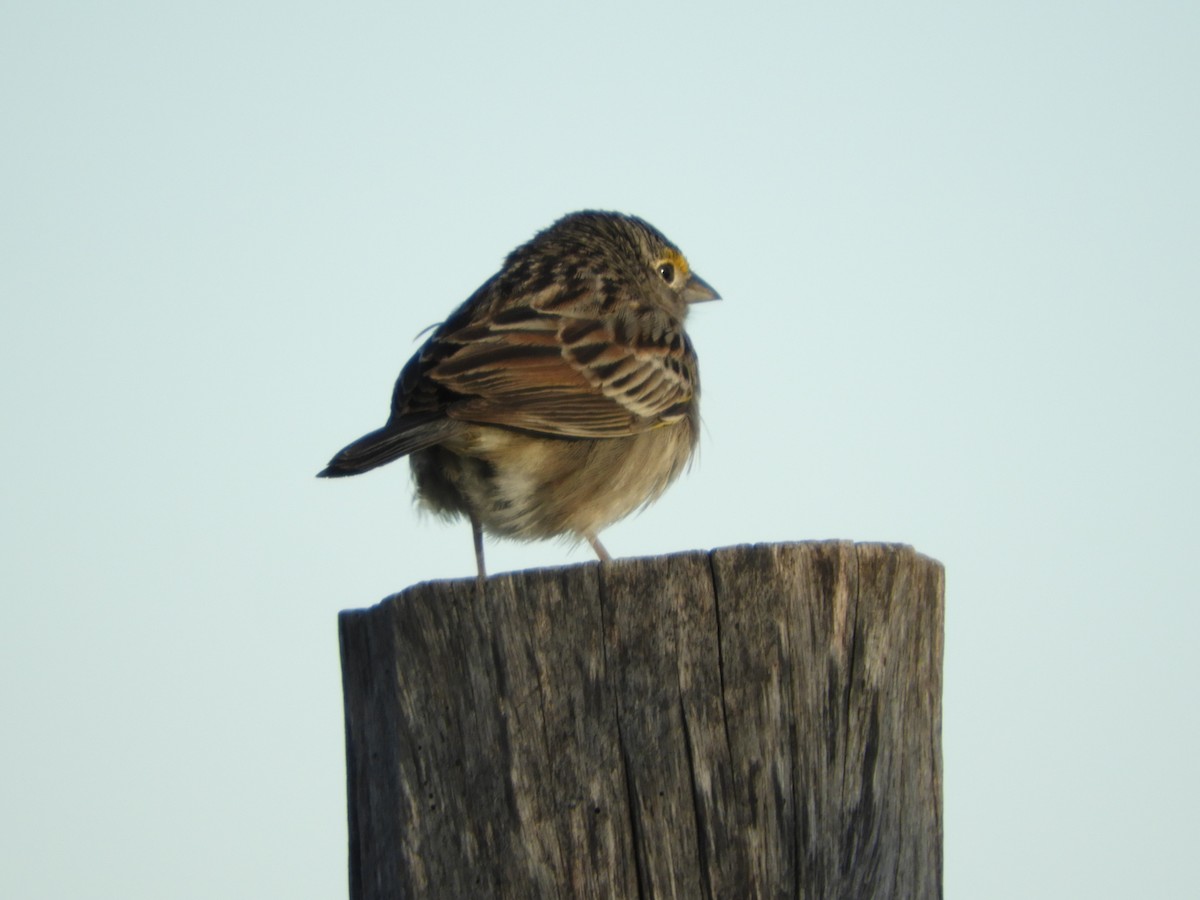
(758, 721)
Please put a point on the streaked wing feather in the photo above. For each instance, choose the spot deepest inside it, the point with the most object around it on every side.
(544, 371)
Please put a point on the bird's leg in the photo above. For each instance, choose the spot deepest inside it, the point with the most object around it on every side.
(481, 569)
(598, 547)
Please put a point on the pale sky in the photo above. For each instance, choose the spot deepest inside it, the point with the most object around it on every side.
(958, 249)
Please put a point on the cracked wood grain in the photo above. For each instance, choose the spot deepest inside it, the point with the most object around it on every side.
(757, 721)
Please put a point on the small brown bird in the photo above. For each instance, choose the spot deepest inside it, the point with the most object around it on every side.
(561, 396)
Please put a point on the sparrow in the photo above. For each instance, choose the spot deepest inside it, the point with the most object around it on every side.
(558, 398)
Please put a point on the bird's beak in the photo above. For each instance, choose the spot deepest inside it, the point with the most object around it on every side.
(697, 290)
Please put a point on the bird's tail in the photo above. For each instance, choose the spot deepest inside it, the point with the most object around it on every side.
(392, 441)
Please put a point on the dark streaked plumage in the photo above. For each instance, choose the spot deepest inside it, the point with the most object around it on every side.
(561, 396)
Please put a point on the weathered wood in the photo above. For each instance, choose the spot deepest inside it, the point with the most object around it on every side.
(758, 721)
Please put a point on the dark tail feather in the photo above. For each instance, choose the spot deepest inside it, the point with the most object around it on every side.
(390, 442)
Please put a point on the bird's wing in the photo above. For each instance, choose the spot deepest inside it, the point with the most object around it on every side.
(570, 376)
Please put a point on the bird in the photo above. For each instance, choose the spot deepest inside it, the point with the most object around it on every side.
(558, 398)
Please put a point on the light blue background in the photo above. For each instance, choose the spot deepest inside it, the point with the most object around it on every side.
(958, 244)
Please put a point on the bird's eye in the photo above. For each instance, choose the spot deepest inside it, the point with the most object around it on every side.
(667, 271)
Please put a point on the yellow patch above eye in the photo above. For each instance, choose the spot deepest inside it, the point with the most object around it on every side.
(675, 258)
